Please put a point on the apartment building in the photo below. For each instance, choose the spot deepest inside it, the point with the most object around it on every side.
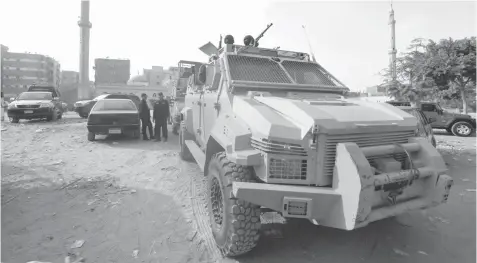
(20, 70)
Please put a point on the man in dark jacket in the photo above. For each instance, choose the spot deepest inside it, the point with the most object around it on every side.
(160, 116)
(145, 115)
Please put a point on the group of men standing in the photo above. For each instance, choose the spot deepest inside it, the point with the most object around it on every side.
(160, 117)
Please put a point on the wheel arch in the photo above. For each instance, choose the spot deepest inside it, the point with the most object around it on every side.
(231, 135)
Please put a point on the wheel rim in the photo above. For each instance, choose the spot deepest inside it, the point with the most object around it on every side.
(217, 202)
(462, 129)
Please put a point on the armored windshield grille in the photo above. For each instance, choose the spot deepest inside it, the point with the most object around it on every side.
(256, 69)
(308, 73)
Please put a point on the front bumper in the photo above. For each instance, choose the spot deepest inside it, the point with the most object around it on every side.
(357, 196)
(37, 113)
(104, 129)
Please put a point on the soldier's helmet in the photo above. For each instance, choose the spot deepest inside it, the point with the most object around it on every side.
(229, 39)
(248, 40)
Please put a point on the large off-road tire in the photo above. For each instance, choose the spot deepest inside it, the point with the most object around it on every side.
(462, 129)
(91, 136)
(14, 120)
(235, 223)
(185, 154)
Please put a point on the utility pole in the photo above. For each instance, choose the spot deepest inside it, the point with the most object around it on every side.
(84, 90)
(393, 51)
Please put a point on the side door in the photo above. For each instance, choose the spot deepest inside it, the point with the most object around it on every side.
(209, 113)
(430, 110)
(194, 100)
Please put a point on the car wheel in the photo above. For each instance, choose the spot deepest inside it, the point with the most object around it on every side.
(235, 223)
(462, 129)
(91, 136)
(433, 142)
(14, 120)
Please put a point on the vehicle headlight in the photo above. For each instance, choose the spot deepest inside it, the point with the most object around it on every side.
(47, 105)
(12, 106)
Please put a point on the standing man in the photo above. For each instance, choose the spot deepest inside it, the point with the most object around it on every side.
(160, 116)
(145, 115)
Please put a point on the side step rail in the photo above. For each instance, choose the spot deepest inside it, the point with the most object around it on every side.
(198, 154)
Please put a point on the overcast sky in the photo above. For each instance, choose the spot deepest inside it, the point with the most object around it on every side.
(350, 38)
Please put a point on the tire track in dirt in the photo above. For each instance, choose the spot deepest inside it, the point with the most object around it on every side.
(199, 209)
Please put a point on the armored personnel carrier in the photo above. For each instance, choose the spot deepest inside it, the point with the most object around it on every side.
(272, 131)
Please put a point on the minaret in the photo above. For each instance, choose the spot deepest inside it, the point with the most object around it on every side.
(84, 89)
(393, 51)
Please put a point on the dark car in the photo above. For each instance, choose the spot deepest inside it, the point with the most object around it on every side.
(35, 105)
(83, 107)
(113, 116)
(458, 124)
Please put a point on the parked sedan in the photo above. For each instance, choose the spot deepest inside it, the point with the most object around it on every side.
(113, 116)
(83, 107)
(35, 105)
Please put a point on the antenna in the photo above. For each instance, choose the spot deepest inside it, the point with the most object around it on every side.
(309, 44)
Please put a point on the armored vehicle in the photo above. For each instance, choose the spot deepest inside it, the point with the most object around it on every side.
(272, 131)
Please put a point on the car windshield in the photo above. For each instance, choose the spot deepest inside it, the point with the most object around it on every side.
(35, 96)
(114, 105)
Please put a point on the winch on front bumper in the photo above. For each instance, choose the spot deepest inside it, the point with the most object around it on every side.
(361, 194)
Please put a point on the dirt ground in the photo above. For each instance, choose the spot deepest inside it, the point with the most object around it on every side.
(136, 201)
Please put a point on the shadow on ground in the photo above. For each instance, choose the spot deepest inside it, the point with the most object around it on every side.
(445, 133)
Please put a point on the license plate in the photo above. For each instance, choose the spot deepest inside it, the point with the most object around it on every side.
(28, 111)
(114, 131)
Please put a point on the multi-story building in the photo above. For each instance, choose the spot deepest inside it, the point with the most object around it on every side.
(111, 71)
(20, 70)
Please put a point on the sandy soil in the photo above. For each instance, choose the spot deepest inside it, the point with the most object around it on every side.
(136, 201)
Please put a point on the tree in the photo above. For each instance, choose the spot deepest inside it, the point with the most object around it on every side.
(429, 70)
